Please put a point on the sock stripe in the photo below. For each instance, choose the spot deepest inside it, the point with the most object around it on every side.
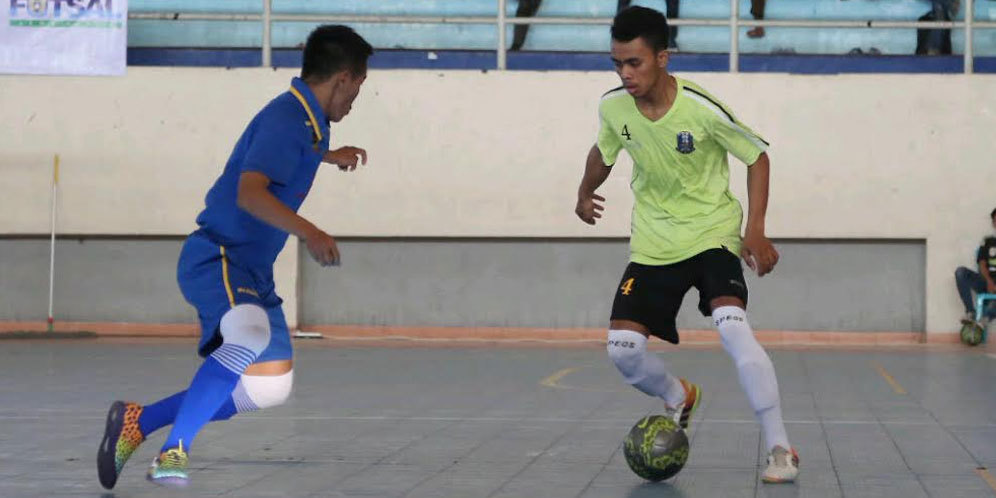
(237, 350)
(234, 357)
(243, 403)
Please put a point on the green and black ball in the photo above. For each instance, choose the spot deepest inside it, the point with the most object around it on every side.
(656, 448)
(972, 333)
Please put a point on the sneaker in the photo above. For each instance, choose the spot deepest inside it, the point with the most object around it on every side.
(170, 468)
(121, 438)
(783, 466)
(682, 413)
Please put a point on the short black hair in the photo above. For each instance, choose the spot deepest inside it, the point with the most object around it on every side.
(993, 214)
(332, 48)
(641, 22)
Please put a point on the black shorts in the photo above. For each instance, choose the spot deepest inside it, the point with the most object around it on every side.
(651, 295)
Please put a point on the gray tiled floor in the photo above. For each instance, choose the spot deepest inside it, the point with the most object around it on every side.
(382, 422)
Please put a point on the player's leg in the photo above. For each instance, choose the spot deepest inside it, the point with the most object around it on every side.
(629, 331)
(724, 296)
(245, 331)
(264, 384)
(128, 423)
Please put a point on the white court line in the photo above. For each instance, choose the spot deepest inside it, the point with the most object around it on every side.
(993, 356)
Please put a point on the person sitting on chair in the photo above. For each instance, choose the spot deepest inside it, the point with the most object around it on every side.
(982, 281)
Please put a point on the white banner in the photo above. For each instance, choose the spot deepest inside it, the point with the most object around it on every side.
(88, 37)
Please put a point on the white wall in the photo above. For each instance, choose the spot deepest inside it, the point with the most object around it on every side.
(466, 153)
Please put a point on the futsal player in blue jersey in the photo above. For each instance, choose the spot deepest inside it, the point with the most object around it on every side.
(226, 266)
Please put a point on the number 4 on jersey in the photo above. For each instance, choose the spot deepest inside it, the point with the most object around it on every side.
(626, 134)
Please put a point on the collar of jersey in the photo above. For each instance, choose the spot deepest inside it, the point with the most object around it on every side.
(303, 94)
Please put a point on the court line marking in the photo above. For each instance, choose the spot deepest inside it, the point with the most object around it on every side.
(986, 476)
(554, 379)
(993, 356)
(888, 378)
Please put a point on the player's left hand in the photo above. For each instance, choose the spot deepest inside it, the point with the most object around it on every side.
(759, 253)
(346, 158)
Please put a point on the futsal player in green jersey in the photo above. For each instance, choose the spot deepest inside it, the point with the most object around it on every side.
(685, 226)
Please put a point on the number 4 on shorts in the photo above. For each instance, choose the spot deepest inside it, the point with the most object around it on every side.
(627, 286)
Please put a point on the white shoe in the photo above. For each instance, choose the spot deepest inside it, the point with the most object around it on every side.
(783, 466)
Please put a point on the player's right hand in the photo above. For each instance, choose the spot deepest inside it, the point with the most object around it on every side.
(322, 248)
(588, 209)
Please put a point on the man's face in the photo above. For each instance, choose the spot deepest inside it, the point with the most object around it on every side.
(342, 99)
(638, 66)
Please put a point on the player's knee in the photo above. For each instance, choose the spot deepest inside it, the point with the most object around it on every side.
(626, 350)
(246, 325)
(267, 391)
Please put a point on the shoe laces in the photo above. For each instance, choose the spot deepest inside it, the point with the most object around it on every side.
(780, 456)
(174, 457)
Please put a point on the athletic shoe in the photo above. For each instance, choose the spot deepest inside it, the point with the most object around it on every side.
(170, 468)
(783, 466)
(122, 437)
(683, 413)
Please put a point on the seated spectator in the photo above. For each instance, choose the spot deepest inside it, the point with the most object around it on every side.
(672, 13)
(527, 8)
(757, 10)
(937, 41)
(984, 280)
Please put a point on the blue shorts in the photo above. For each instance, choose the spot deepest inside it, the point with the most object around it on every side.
(213, 283)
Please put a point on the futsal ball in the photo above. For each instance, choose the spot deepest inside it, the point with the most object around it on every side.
(971, 333)
(656, 448)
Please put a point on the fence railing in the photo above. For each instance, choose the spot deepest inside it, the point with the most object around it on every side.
(501, 20)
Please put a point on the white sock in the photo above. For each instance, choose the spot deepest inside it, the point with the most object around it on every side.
(641, 369)
(757, 373)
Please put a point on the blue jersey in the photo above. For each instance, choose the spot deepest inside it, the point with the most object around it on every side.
(286, 142)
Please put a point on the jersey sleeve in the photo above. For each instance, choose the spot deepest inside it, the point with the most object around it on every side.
(739, 140)
(609, 143)
(980, 254)
(274, 150)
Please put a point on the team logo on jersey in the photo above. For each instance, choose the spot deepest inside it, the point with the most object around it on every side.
(686, 142)
(992, 252)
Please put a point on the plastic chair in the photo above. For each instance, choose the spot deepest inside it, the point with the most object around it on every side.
(980, 301)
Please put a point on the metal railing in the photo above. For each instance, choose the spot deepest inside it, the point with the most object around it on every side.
(501, 20)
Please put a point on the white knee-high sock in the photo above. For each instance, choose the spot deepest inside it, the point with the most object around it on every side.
(757, 373)
(641, 369)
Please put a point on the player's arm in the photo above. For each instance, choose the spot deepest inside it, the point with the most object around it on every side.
(256, 199)
(758, 251)
(595, 173)
(740, 141)
(597, 167)
(346, 158)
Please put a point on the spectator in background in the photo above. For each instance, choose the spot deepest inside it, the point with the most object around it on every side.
(527, 8)
(757, 10)
(937, 41)
(672, 13)
(982, 281)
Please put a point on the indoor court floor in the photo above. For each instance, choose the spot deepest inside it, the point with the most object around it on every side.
(393, 420)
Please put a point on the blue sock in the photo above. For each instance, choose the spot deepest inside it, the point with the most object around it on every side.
(163, 412)
(211, 387)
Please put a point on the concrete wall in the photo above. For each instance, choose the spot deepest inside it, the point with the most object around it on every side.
(819, 285)
(96, 280)
(466, 154)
